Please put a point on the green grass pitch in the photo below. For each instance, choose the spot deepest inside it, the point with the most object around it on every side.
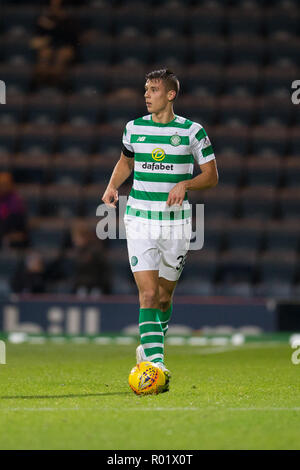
(68, 396)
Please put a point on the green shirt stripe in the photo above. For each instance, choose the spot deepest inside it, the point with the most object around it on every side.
(169, 158)
(200, 134)
(207, 151)
(159, 215)
(157, 139)
(161, 177)
(150, 196)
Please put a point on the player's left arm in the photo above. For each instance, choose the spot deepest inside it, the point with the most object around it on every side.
(203, 153)
(207, 179)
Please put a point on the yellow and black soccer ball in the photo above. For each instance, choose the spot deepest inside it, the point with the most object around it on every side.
(146, 378)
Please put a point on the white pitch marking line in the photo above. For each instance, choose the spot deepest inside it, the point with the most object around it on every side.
(208, 408)
(229, 348)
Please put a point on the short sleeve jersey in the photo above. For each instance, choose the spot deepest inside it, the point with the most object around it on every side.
(164, 154)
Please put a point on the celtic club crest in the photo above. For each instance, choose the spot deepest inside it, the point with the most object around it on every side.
(175, 140)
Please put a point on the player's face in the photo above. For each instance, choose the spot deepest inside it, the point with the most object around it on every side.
(156, 96)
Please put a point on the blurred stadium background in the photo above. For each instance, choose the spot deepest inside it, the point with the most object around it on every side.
(67, 102)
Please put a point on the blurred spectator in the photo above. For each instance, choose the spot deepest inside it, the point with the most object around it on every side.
(13, 228)
(91, 269)
(55, 42)
(30, 276)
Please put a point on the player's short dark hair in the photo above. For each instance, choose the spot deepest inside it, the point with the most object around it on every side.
(168, 77)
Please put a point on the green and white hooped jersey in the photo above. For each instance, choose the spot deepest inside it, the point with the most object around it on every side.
(164, 154)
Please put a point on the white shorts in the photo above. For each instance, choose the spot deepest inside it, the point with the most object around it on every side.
(156, 247)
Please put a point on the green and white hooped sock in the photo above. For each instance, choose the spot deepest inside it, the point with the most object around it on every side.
(151, 334)
(165, 318)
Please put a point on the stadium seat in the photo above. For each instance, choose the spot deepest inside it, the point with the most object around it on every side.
(277, 267)
(83, 111)
(101, 167)
(283, 47)
(109, 139)
(30, 169)
(12, 112)
(243, 234)
(208, 49)
(19, 16)
(289, 202)
(16, 51)
(89, 79)
(133, 15)
(269, 140)
(74, 139)
(119, 259)
(17, 78)
(198, 109)
(169, 46)
(274, 110)
(234, 140)
(193, 286)
(263, 170)
(244, 18)
(200, 266)
(241, 79)
(92, 198)
(210, 16)
(8, 138)
(279, 19)
(282, 236)
(277, 79)
(235, 110)
(213, 233)
(69, 170)
(37, 139)
(97, 16)
(237, 266)
(128, 76)
(172, 16)
(294, 140)
(123, 284)
(61, 200)
(273, 289)
(48, 232)
(235, 289)
(5, 162)
(8, 263)
(31, 193)
(219, 201)
(199, 80)
(40, 110)
(292, 171)
(231, 168)
(133, 47)
(118, 109)
(256, 202)
(96, 52)
(244, 49)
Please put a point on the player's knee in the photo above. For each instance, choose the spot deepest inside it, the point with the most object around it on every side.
(164, 304)
(149, 298)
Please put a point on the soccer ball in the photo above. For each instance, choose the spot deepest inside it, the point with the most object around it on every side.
(146, 378)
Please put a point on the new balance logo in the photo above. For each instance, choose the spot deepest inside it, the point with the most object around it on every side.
(141, 139)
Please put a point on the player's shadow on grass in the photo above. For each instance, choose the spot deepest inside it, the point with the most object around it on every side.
(77, 395)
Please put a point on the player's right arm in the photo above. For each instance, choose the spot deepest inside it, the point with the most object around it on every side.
(120, 174)
(122, 169)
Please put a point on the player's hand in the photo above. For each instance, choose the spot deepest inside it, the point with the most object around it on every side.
(177, 194)
(110, 197)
